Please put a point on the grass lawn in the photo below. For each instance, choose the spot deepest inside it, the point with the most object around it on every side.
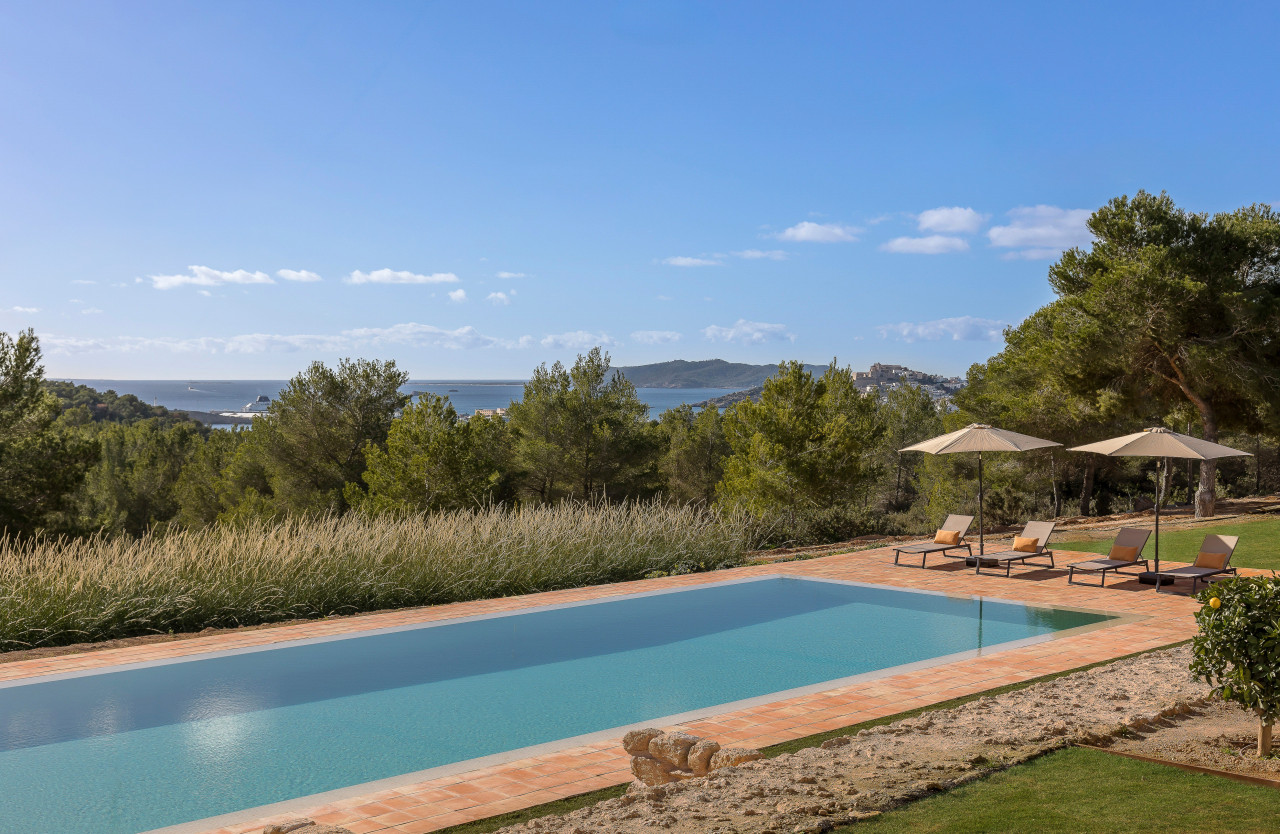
(1077, 790)
(1259, 542)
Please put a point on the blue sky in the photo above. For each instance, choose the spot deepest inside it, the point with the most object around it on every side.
(235, 189)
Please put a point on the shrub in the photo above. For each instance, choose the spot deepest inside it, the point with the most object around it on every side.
(54, 592)
(1238, 648)
(821, 525)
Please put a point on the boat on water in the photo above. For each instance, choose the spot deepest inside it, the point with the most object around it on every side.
(258, 406)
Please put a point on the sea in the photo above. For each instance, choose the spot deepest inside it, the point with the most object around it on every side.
(221, 395)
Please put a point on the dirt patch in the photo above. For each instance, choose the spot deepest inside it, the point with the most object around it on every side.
(1218, 735)
(852, 777)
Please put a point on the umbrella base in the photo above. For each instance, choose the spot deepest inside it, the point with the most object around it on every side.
(1149, 578)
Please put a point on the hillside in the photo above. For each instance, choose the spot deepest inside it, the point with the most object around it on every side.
(706, 373)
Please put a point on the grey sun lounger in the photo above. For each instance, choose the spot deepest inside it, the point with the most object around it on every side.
(959, 523)
(1039, 530)
(1213, 545)
(1127, 537)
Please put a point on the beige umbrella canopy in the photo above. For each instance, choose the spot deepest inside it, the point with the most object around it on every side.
(1159, 443)
(979, 437)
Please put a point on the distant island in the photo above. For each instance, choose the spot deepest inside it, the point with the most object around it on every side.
(879, 378)
(706, 373)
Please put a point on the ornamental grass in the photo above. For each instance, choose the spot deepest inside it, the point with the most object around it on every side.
(62, 591)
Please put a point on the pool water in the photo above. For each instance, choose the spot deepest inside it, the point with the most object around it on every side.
(124, 751)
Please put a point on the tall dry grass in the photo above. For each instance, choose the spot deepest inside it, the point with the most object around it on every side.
(68, 591)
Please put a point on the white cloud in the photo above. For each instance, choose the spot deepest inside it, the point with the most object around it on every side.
(960, 329)
(83, 281)
(408, 334)
(1031, 255)
(512, 275)
(1039, 232)
(810, 232)
(425, 335)
(681, 260)
(761, 254)
(953, 220)
(301, 275)
(203, 276)
(930, 245)
(24, 309)
(655, 337)
(749, 333)
(205, 293)
(498, 299)
(458, 295)
(664, 298)
(577, 340)
(90, 311)
(388, 276)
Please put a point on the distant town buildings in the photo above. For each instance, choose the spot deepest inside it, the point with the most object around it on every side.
(490, 412)
(881, 378)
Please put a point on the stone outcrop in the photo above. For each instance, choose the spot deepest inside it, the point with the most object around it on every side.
(303, 826)
(659, 758)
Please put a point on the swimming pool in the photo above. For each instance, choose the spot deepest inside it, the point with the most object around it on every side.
(152, 745)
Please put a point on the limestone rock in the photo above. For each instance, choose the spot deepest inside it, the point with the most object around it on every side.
(673, 748)
(734, 756)
(636, 742)
(303, 826)
(652, 771)
(699, 756)
(288, 827)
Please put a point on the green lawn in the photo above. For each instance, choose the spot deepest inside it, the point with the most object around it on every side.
(1078, 790)
(1259, 542)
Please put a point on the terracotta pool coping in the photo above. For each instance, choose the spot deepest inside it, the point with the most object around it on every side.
(440, 801)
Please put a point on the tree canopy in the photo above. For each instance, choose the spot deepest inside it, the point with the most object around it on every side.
(1170, 310)
(807, 443)
(40, 465)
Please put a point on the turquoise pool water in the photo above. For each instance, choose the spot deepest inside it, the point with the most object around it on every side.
(137, 749)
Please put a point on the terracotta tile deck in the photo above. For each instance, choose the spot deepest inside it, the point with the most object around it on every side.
(442, 802)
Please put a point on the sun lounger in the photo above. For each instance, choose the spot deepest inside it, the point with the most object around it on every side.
(1125, 552)
(956, 524)
(1035, 531)
(1214, 559)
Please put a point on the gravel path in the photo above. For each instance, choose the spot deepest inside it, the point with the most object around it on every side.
(850, 778)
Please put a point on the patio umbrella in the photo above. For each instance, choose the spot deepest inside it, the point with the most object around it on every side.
(979, 438)
(1163, 444)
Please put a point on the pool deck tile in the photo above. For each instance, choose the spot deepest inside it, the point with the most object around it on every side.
(433, 804)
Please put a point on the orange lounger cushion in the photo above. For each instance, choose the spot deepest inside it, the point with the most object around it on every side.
(1022, 545)
(1123, 554)
(946, 537)
(1217, 561)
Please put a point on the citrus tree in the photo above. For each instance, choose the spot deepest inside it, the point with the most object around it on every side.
(1238, 648)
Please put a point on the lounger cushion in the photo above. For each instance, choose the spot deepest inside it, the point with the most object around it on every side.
(1217, 561)
(946, 537)
(1123, 554)
(1025, 545)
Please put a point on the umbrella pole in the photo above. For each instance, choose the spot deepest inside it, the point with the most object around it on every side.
(1159, 480)
(981, 541)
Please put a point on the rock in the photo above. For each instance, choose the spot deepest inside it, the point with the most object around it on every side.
(734, 756)
(303, 826)
(673, 748)
(652, 771)
(636, 742)
(699, 756)
(833, 743)
(288, 826)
